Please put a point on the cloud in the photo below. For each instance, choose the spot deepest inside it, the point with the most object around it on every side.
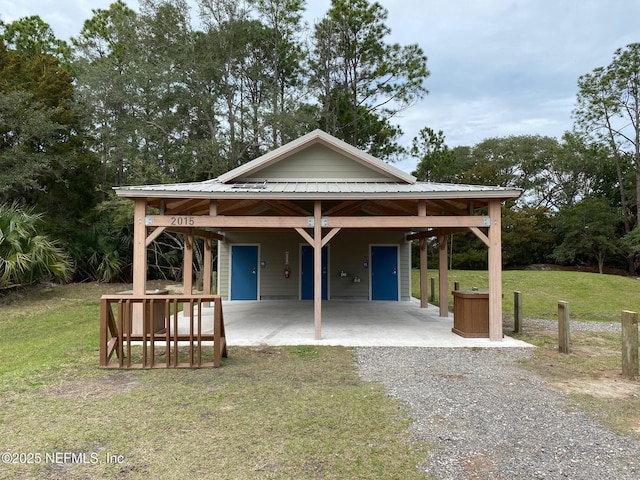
(498, 67)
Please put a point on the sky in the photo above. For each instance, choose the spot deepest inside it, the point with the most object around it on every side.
(498, 67)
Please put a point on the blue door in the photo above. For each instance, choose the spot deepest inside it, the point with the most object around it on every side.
(306, 274)
(244, 272)
(384, 272)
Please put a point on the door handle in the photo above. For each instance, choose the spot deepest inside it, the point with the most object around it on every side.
(253, 271)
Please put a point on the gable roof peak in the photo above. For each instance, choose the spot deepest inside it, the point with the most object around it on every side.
(312, 138)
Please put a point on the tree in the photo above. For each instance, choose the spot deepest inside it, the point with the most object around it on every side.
(436, 163)
(362, 81)
(44, 160)
(608, 113)
(578, 170)
(284, 62)
(33, 36)
(26, 255)
(106, 54)
(587, 230)
(528, 235)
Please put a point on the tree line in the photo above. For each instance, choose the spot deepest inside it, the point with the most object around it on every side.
(173, 94)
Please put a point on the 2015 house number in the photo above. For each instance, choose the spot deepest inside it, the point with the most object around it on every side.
(182, 221)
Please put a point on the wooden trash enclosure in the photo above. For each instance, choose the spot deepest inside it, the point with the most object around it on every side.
(471, 313)
(164, 342)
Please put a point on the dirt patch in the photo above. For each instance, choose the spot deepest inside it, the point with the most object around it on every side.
(79, 389)
(610, 385)
(593, 351)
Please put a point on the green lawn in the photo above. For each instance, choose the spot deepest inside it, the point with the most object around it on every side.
(297, 412)
(591, 296)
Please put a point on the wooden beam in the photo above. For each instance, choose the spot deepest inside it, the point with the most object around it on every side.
(260, 221)
(155, 234)
(424, 300)
(450, 208)
(139, 261)
(345, 208)
(187, 270)
(495, 271)
(227, 221)
(308, 238)
(208, 254)
(294, 208)
(330, 235)
(139, 246)
(281, 207)
(406, 221)
(443, 275)
(186, 205)
(197, 232)
(207, 273)
(480, 235)
(317, 269)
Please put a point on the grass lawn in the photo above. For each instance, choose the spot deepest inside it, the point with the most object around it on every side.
(591, 296)
(297, 412)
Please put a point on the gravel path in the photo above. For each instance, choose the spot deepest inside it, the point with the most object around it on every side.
(487, 418)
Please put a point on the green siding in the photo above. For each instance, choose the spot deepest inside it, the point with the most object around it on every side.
(348, 251)
(316, 163)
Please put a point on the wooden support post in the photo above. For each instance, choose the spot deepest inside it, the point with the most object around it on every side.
(433, 290)
(443, 286)
(564, 330)
(139, 260)
(422, 212)
(139, 247)
(187, 269)
(495, 271)
(218, 333)
(207, 274)
(629, 344)
(208, 249)
(317, 269)
(517, 312)
(423, 274)
(104, 313)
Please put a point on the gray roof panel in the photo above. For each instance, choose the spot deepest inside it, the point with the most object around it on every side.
(320, 189)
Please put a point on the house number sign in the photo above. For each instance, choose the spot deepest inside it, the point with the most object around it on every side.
(174, 221)
(181, 221)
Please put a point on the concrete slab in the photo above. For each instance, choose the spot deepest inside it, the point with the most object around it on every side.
(347, 323)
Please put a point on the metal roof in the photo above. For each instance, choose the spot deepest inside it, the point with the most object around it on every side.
(397, 185)
(317, 189)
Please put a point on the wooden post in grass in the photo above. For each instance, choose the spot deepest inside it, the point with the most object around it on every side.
(517, 312)
(629, 344)
(564, 332)
(456, 286)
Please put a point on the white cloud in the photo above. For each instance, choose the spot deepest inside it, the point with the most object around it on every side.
(498, 67)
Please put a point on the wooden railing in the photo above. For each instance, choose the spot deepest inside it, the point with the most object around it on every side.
(161, 331)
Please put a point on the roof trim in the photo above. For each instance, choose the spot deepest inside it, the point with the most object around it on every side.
(504, 194)
(312, 138)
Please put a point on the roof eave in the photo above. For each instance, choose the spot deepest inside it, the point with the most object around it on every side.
(487, 194)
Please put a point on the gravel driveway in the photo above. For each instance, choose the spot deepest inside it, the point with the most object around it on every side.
(487, 418)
